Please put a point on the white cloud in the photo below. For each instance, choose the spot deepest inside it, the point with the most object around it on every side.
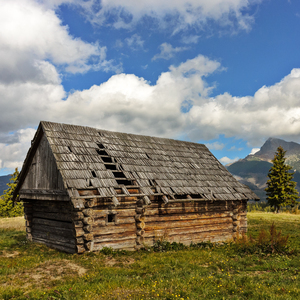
(178, 15)
(31, 34)
(135, 42)
(167, 51)
(226, 160)
(254, 150)
(192, 39)
(215, 146)
(12, 155)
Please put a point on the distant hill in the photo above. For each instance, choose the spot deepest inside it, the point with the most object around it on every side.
(3, 183)
(253, 169)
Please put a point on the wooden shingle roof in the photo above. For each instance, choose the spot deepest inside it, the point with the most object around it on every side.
(90, 158)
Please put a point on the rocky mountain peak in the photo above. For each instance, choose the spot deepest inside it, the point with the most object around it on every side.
(269, 148)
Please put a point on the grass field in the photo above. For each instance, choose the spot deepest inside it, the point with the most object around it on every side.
(32, 271)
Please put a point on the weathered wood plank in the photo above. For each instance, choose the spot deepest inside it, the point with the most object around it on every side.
(186, 230)
(54, 230)
(53, 223)
(54, 216)
(115, 245)
(187, 216)
(186, 223)
(64, 248)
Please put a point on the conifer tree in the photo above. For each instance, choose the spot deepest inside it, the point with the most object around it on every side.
(7, 207)
(281, 190)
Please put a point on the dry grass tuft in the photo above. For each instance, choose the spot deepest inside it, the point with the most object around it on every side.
(17, 223)
(45, 273)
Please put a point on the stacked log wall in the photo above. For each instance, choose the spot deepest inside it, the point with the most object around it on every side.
(107, 225)
(189, 222)
(51, 223)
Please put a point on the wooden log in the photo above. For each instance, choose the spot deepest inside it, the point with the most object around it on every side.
(53, 216)
(53, 238)
(79, 232)
(88, 220)
(186, 230)
(141, 225)
(140, 240)
(130, 244)
(80, 248)
(140, 210)
(77, 215)
(88, 236)
(53, 223)
(186, 223)
(187, 216)
(77, 223)
(183, 210)
(115, 237)
(64, 248)
(79, 240)
(95, 213)
(140, 232)
(114, 229)
(52, 209)
(121, 220)
(66, 232)
(139, 218)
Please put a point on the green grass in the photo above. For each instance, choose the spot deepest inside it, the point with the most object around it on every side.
(32, 271)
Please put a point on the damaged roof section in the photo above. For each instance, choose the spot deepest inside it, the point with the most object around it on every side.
(109, 162)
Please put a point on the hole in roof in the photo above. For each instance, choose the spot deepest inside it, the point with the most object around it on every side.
(110, 167)
(148, 155)
(94, 174)
(107, 159)
(70, 149)
(100, 133)
(124, 181)
(100, 146)
(119, 174)
(101, 152)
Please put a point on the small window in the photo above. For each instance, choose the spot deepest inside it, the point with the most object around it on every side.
(111, 218)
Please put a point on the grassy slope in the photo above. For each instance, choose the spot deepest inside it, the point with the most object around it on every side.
(31, 271)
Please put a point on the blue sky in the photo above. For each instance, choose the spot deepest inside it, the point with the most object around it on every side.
(225, 72)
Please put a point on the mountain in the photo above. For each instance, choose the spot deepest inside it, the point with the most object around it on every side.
(253, 169)
(3, 183)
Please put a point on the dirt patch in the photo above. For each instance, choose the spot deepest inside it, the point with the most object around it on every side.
(46, 273)
(111, 261)
(9, 254)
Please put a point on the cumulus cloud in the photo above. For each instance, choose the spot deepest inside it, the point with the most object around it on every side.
(12, 154)
(167, 51)
(135, 42)
(215, 146)
(177, 15)
(31, 34)
(226, 160)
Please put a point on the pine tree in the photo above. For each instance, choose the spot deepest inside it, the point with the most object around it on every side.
(7, 207)
(281, 190)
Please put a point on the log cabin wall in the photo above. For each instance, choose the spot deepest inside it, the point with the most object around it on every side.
(107, 225)
(51, 223)
(192, 222)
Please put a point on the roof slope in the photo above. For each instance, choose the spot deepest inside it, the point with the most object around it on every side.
(90, 158)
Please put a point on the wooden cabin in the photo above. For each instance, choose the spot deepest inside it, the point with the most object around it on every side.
(84, 189)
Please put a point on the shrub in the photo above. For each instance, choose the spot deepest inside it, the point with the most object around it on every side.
(266, 243)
